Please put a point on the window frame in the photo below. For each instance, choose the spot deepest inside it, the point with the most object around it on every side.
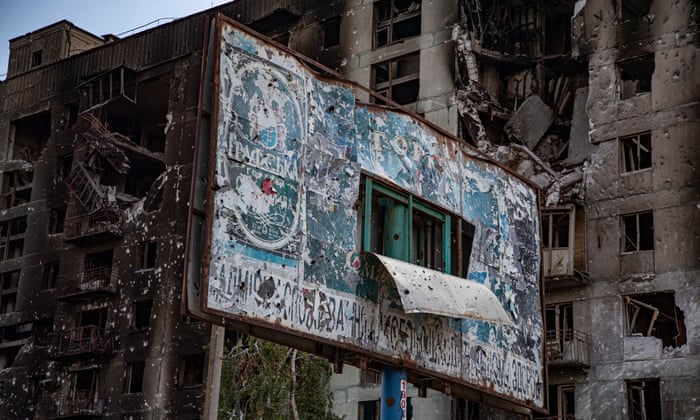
(129, 384)
(386, 89)
(185, 365)
(387, 24)
(624, 238)
(634, 143)
(412, 205)
(148, 255)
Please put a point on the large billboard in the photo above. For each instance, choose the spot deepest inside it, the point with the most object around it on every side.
(280, 214)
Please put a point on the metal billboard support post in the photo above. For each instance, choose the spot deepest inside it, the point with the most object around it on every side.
(393, 394)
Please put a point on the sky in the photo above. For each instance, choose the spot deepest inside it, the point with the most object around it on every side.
(19, 17)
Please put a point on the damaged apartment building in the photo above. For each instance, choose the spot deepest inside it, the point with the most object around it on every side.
(594, 101)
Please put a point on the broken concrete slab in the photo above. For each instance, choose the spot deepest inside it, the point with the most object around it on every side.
(580, 147)
(529, 123)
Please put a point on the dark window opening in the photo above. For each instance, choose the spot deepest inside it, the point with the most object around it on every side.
(8, 355)
(283, 38)
(102, 259)
(64, 166)
(397, 79)
(142, 314)
(148, 254)
(635, 75)
(555, 230)
(396, 20)
(636, 152)
(331, 32)
(368, 410)
(31, 136)
(191, 370)
(49, 274)
(56, 219)
(466, 410)
(37, 58)
(638, 232)
(12, 238)
(143, 174)
(400, 226)
(633, 9)
(16, 188)
(8, 290)
(133, 377)
(84, 385)
(656, 315)
(562, 403)
(643, 399)
(557, 34)
(96, 317)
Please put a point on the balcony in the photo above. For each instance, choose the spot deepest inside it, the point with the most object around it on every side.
(568, 349)
(93, 282)
(102, 225)
(83, 403)
(88, 340)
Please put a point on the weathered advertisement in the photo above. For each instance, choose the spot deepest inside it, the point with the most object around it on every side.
(284, 227)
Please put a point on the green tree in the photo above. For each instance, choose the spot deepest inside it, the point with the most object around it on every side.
(263, 380)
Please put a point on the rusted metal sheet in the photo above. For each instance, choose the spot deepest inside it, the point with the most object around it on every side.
(423, 290)
(281, 241)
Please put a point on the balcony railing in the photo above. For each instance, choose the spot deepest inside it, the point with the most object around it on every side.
(568, 348)
(82, 402)
(80, 341)
(91, 282)
(103, 224)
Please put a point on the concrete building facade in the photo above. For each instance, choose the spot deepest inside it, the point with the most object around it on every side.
(595, 101)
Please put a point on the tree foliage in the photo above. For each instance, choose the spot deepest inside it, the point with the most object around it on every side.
(263, 380)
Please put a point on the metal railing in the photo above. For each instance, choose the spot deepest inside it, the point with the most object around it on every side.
(88, 339)
(82, 402)
(102, 221)
(569, 347)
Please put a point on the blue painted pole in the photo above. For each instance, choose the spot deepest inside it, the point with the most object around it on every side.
(393, 394)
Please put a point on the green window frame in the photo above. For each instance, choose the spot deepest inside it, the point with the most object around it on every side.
(399, 225)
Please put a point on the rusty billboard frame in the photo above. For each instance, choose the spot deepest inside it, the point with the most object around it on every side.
(195, 301)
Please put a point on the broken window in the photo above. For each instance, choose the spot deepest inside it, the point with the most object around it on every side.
(30, 136)
(9, 284)
(190, 370)
(656, 315)
(16, 188)
(636, 152)
(133, 377)
(368, 410)
(560, 326)
(555, 229)
(148, 254)
(330, 28)
(466, 409)
(37, 58)
(142, 314)
(397, 79)
(557, 242)
(643, 399)
(635, 75)
(633, 9)
(56, 219)
(111, 85)
(561, 402)
(396, 20)
(49, 274)
(12, 238)
(84, 387)
(400, 226)
(638, 232)
(64, 165)
(96, 317)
